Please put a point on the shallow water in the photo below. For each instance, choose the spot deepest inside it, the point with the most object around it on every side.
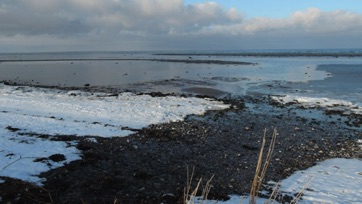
(307, 76)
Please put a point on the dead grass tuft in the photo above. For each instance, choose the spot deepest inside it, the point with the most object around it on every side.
(190, 197)
(260, 172)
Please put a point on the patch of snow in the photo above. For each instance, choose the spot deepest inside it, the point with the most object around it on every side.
(332, 181)
(234, 199)
(19, 154)
(1, 181)
(27, 112)
(359, 142)
(343, 106)
(55, 112)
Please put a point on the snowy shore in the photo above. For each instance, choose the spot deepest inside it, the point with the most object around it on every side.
(31, 117)
(27, 113)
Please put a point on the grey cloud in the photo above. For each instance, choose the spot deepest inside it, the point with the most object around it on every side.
(74, 16)
(27, 19)
(159, 24)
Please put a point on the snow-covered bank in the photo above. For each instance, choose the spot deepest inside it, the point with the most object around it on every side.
(55, 112)
(28, 111)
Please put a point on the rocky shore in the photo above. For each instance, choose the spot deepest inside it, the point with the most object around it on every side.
(151, 165)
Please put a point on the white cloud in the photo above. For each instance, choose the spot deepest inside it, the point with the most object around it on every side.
(311, 20)
(163, 22)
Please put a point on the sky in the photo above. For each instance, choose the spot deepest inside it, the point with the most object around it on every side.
(132, 25)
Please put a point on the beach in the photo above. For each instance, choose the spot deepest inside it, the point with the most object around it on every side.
(126, 127)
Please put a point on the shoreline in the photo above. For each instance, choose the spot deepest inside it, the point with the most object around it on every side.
(266, 54)
(188, 61)
(150, 165)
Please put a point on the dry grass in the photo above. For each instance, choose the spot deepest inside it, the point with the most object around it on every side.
(190, 197)
(260, 172)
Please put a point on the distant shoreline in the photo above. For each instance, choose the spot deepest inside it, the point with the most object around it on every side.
(189, 61)
(268, 54)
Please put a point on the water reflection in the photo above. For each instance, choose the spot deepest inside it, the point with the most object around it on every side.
(236, 79)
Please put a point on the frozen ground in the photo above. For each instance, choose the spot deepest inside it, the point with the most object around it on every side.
(27, 114)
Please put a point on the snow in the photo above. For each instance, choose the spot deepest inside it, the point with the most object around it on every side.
(343, 106)
(234, 199)
(18, 155)
(27, 112)
(79, 113)
(333, 181)
(359, 142)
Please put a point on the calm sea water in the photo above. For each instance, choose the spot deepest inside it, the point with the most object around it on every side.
(318, 76)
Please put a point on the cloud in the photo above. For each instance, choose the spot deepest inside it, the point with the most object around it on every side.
(44, 16)
(314, 20)
(159, 24)
(37, 17)
(310, 21)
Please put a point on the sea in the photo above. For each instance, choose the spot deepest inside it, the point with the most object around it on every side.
(333, 73)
